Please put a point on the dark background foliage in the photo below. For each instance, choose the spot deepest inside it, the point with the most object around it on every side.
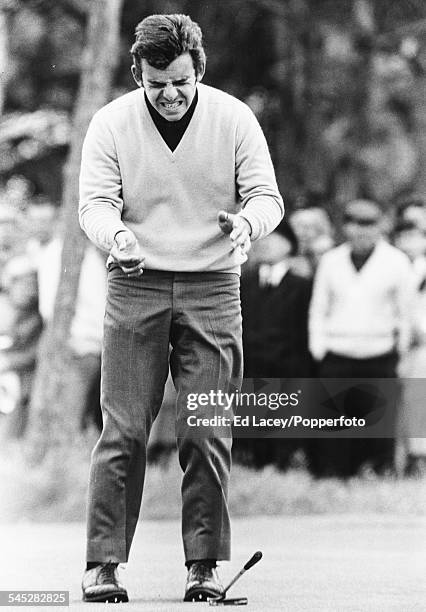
(335, 84)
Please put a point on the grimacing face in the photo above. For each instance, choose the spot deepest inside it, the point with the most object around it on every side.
(170, 91)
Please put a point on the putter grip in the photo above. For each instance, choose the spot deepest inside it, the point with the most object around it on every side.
(255, 558)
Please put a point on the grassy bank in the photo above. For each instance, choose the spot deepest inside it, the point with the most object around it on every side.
(56, 490)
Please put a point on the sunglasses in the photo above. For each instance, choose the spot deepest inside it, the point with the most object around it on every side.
(362, 221)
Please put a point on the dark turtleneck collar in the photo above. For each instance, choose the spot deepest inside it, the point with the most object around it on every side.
(172, 131)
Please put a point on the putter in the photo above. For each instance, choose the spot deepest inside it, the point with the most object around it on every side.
(237, 601)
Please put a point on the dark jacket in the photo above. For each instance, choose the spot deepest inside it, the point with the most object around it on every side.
(275, 327)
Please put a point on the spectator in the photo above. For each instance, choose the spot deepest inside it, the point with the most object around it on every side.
(86, 328)
(8, 231)
(411, 455)
(41, 219)
(314, 232)
(360, 322)
(275, 304)
(410, 238)
(413, 210)
(19, 356)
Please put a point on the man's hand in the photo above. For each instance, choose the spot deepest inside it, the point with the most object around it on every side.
(126, 252)
(238, 228)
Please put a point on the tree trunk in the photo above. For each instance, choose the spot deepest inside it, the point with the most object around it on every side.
(351, 179)
(313, 163)
(420, 129)
(3, 58)
(50, 423)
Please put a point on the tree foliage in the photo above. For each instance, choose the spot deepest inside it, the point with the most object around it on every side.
(338, 86)
(307, 67)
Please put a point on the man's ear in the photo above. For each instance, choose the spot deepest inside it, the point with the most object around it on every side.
(135, 76)
(201, 73)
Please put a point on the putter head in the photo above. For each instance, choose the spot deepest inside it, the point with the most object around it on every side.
(222, 601)
(216, 599)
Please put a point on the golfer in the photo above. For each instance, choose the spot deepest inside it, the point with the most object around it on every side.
(176, 181)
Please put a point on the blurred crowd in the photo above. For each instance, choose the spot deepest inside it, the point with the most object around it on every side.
(342, 300)
(330, 298)
(31, 240)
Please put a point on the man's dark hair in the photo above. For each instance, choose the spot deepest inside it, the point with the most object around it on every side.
(160, 39)
(284, 229)
(404, 226)
(413, 200)
(377, 205)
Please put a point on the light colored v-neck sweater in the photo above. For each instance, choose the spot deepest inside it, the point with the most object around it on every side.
(170, 200)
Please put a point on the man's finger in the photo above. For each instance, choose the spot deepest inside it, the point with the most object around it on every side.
(239, 236)
(131, 269)
(126, 247)
(246, 246)
(132, 266)
(130, 261)
(238, 231)
(125, 240)
(225, 221)
(134, 274)
(126, 253)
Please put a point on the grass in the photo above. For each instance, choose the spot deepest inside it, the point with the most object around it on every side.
(56, 490)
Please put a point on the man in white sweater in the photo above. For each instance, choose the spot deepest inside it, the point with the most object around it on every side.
(360, 317)
(176, 181)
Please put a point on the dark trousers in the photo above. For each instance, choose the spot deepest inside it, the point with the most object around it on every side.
(344, 456)
(199, 316)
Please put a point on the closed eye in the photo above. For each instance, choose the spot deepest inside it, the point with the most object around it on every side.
(158, 85)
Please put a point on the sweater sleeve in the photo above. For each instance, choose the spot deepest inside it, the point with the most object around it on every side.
(262, 205)
(101, 203)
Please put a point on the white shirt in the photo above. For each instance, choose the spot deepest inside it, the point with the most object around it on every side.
(363, 313)
(271, 275)
(87, 324)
